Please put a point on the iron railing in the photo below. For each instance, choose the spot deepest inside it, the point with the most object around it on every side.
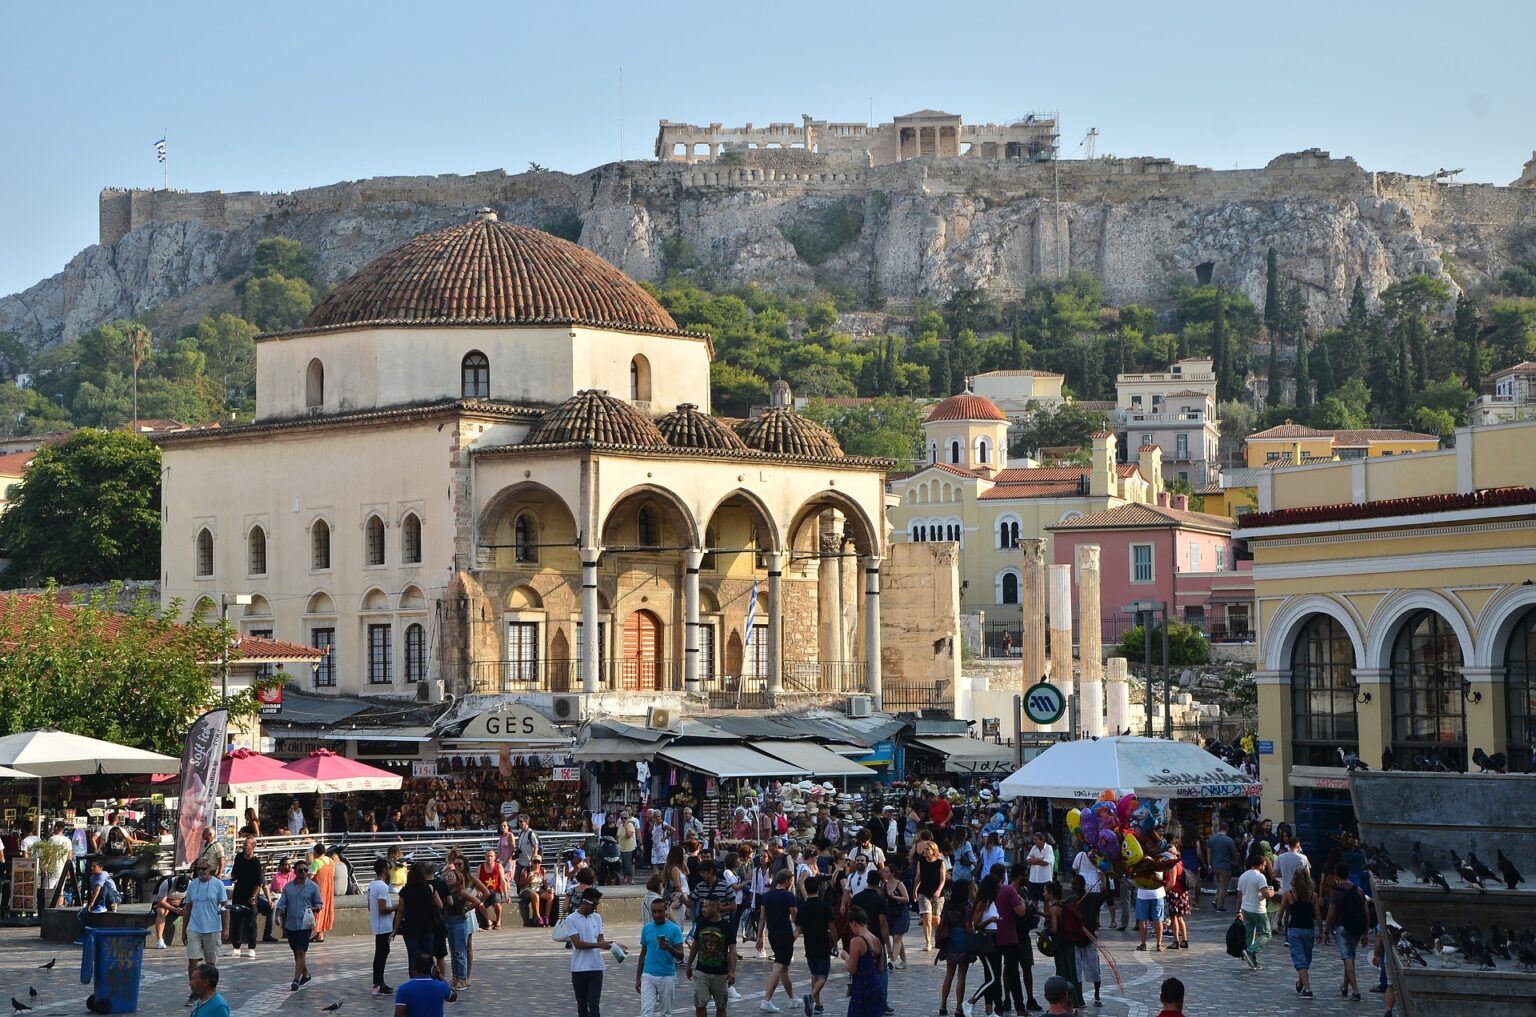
(937, 697)
(630, 674)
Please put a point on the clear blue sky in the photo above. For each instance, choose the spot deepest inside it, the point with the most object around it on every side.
(280, 95)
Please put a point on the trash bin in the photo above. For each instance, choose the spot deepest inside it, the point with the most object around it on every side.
(114, 960)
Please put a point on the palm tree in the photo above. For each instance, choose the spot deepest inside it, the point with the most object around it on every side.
(140, 343)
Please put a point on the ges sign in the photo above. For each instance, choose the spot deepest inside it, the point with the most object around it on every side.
(516, 723)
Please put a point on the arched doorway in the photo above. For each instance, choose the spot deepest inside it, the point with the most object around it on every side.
(1323, 714)
(1520, 691)
(642, 663)
(1429, 713)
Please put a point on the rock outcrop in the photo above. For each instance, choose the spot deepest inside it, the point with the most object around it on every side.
(929, 227)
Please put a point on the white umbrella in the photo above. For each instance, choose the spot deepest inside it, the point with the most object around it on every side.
(6, 773)
(1149, 767)
(48, 753)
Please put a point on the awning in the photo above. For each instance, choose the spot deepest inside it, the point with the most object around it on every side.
(1149, 767)
(375, 734)
(614, 750)
(969, 755)
(729, 761)
(844, 749)
(819, 760)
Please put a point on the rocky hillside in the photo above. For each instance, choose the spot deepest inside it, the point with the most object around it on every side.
(920, 229)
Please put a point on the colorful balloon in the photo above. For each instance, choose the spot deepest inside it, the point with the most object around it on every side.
(1109, 845)
(1130, 848)
(1125, 808)
(1074, 820)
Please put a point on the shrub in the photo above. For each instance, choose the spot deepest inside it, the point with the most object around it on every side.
(1185, 645)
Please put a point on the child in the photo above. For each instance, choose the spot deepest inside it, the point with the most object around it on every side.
(1172, 997)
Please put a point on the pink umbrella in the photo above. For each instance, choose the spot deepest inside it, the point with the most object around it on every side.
(324, 772)
(246, 772)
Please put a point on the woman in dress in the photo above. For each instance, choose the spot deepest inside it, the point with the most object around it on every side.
(323, 870)
(661, 841)
(954, 935)
(898, 913)
(675, 884)
(866, 998)
(1178, 903)
(506, 843)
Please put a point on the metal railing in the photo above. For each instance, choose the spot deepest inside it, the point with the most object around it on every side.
(626, 674)
(361, 848)
(935, 698)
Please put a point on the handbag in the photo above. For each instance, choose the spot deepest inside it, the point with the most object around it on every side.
(560, 933)
(982, 944)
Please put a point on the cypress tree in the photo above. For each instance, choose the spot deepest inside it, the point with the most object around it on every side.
(1221, 351)
(939, 383)
(1420, 355)
(1272, 290)
(1275, 389)
(1403, 375)
(1468, 342)
(1350, 363)
(1303, 379)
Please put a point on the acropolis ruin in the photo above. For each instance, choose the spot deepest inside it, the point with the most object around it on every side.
(928, 132)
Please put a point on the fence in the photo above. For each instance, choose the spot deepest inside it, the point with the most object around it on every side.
(631, 674)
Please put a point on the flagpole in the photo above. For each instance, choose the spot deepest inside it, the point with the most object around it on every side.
(165, 163)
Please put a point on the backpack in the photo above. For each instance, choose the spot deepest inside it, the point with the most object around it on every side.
(1352, 909)
(1237, 938)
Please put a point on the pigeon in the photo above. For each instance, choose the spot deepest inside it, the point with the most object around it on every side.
(1467, 873)
(1350, 760)
(1381, 864)
(1407, 954)
(1484, 872)
(1446, 949)
(1496, 763)
(1525, 956)
(1506, 868)
(1429, 764)
(1498, 942)
(1386, 760)
(48, 966)
(333, 1007)
(18, 1006)
(1432, 875)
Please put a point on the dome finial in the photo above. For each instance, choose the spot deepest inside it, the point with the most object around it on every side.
(486, 213)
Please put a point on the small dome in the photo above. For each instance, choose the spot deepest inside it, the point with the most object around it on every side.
(782, 431)
(966, 406)
(593, 417)
(686, 427)
(490, 272)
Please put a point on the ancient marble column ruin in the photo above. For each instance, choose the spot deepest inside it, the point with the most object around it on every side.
(1061, 637)
(1117, 691)
(1090, 651)
(1032, 600)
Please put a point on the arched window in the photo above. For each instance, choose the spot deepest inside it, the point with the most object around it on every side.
(933, 451)
(1323, 712)
(952, 532)
(373, 541)
(1520, 691)
(204, 553)
(410, 539)
(314, 385)
(475, 376)
(256, 547)
(525, 537)
(640, 379)
(1008, 587)
(415, 652)
(914, 531)
(983, 451)
(1429, 714)
(954, 453)
(645, 527)
(1007, 533)
(320, 545)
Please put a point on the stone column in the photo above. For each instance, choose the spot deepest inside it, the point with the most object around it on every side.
(1061, 637)
(1117, 695)
(591, 643)
(829, 600)
(872, 626)
(776, 562)
(695, 558)
(1032, 599)
(1090, 650)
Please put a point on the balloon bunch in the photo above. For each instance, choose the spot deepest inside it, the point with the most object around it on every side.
(1121, 836)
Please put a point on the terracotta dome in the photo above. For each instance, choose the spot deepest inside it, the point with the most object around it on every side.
(782, 431)
(593, 417)
(967, 406)
(686, 427)
(490, 272)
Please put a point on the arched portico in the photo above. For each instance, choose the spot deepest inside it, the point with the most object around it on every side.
(1281, 628)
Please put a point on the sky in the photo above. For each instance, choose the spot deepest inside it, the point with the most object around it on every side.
(278, 96)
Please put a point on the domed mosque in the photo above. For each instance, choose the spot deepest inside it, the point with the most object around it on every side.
(489, 443)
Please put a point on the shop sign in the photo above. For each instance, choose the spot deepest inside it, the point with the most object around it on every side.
(1044, 703)
(271, 699)
(301, 746)
(882, 753)
(991, 727)
(424, 769)
(566, 774)
(514, 723)
(81, 822)
(1266, 748)
(23, 881)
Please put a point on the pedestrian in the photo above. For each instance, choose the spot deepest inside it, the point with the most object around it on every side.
(710, 955)
(167, 908)
(1151, 908)
(779, 906)
(1289, 862)
(205, 992)
(929, 887)
(661, 947)
(1041, 859)
(954, 934)
(587, 945)
(1177, 905)
(661, 841)
(1223, 852)
(1171, 995)
(528, 847)
(1058, 995)
(992, 854)
(249, 881)
(383, 920)
(203, 908)
(898, 914)
(281, 878)
(1301, 930)
(1347, 922)
(1254, 888)
(494, 878)
(675, 884)
(212, 853)
(866, 997)
(422, 995)
(459, 905)
(817, 932)
(419, 908)
(296, 820)
(985, 919)
(535, 891)
(1020, 960)
(297, 909)
(1066, 933)
(322, 872)
(628, 836)
(962, 856)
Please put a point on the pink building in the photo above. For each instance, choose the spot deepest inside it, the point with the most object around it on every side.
(1163, 552)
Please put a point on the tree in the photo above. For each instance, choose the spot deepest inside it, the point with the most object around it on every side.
(1272, 291)
(888, 428)
(1466, 331)
(1511, 331)
(942, 376)
(139, 344)
(1067, 426)
(1323, 372)
(276, 303)
(228, 345)
(87, 511)
(284, 257)
(1221, 352)
(1237, 423)
(1347, 408)
(1303, 378)
(735, 390)
(1274, 390)
(1186, 645)
(26, 411)
(1349, 356)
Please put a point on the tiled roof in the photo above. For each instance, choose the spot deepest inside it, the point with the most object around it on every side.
(1127, 471)
(782, 431)
(1102, 434)
(686, 427)
(260, 648)
(1353, 439)
(592, 416)
(942, 467)
(1289, 430)
(417, 411)
(1025, 373)
(1138, 516)
(1041, 475)
(1186, 392)
(1149, 447)
(1014, 492)
(1497, 497)
(15, 464)
(966, 406)
(490, 272)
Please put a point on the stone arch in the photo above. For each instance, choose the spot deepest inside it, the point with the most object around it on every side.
(320, 602)
(1280, 631)
(319, 544)
(617, 521)
(374, 600)
(856, 522)
(983, 449)
(708, 602)
(524, 598)
(1497, 622)
(547, 518)
(1390, 614)
(256, 551)
(203, 556)
(760, 518)
(259, 607)
(412, 599)
(314, 384)
(1008, 531)
(733, 653)
(410, 539)
(639, 379)
(205, 610)
(1008, 587)
(475, 376)
(375, 550)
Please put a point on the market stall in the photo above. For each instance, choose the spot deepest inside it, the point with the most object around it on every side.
(48, 753)
(510, 759)
(958, 757)
(1150, 768)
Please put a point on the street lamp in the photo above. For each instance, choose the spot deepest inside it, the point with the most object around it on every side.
(1152, 608)
(226, 601)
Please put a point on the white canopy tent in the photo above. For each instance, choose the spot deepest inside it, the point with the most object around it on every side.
(48, 753)
(1148, 767)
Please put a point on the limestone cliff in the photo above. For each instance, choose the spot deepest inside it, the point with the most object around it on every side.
(929, 226)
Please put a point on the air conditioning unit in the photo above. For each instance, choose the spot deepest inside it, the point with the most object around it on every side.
(567, 709)
(658, 718)
(860, 706)
(429, 692)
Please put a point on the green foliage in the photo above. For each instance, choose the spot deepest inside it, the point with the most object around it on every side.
(736, 390)
(1303, 377)
(26, 411)
(1068, 425)
(887, 428)
(1186, 645)
(1272, 290)
(276, 303)
(88, 511)
(284, 257)
(1512, 331)
(1346, 408)
(228, 346)
(829, 229)
(77, 667)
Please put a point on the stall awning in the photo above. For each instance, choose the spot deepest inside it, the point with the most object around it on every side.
(818, 760)
(844, 749)
(376, 734)
(729, 761)
(969, 755)
(614, 750)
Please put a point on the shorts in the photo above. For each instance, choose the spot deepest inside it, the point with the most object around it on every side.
(298, 939)
(203, 946)
(820, 967)
(926, 904)
(1348, 944)
(709, 987)
(1149, 909)
(783, 950)
(494, 898)
(1301, 942)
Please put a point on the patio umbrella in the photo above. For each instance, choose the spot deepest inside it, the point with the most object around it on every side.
(324, 772)
(49, 753)
(6, 773)
(1149, 767)
(251, 773)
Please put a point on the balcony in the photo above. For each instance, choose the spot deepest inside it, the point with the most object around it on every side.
(801, 677)
(1134, 416)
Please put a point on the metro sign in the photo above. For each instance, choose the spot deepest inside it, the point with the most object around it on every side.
(1044, 703)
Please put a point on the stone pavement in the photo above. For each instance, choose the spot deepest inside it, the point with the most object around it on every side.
(521, 972)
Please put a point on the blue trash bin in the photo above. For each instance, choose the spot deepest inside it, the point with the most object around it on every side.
(114, 960)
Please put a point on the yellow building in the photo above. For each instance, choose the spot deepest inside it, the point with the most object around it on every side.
(1397, 614)
(967, 495)
(1290, 442)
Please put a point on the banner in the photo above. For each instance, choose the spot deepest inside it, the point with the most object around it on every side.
(199, 783)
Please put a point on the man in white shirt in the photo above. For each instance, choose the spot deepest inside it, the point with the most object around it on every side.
(1041, 860)
(1254, 888)
(587, 946)
(1287, 864)
(866, 849)
(382, 915)
(888, 822)
(690, 827)
(48, 878)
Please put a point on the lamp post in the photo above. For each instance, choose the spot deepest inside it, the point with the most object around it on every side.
(1146, 611)
(226, 601)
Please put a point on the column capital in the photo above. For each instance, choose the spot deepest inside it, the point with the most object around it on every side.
(694, 557)
(1271, 677)
(1483, 675)
(1373, 675)
(1087, 557)
(871, 560)
(777, 561)
(590, 553)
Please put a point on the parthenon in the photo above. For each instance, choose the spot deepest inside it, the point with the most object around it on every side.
(928, 132)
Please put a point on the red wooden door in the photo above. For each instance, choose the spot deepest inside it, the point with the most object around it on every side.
(642, 652)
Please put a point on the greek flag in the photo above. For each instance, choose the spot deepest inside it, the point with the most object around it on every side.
(751, 614)
(160, 150)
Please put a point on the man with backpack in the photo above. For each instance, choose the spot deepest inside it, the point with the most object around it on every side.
(1254, 889)
(1347, 922)
(100, 895)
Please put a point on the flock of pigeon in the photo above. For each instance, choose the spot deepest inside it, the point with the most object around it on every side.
(1471, 869)
(1496, 763)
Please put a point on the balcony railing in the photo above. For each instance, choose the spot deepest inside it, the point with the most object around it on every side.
(628, 674)
(1138, 417)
